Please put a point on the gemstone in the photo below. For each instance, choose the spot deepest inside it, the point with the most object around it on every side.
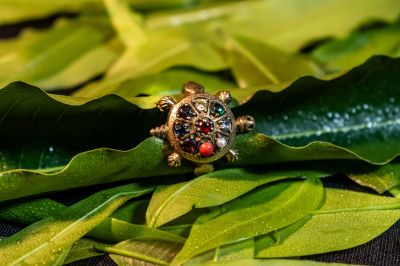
(205, 126)
(180, 129)
(201, 105)
(217, 109)
(221, 142)
(186, 111)
(225, 124)
(189, 145)
(206, 149)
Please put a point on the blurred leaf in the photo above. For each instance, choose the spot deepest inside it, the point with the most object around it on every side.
(342, 54)
(395, 191)
(258, 213)
(254, 63)
(347, 219)
(63, 56)
(12, 11)
(44, 241)
(212, 189)
(127, 252)
(170, 82)
(287, 24)
(188, 46)
(126, 22)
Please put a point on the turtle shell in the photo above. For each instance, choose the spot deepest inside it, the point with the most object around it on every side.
(201, 128)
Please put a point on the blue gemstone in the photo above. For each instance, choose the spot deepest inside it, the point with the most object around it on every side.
(186, 111)
(180, 129)
(225, 125)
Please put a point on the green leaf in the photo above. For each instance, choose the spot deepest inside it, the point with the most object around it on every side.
(254, 63)
(79, 42)
(347, 219)
(126, 22)
(357, 113)
(228, 253)
(83, 249)
(212, 189)
(114, 230)
(110, 230)
(258, 213)
(342, 54)
(272, 262)
(310, 126)
(169, 82)
(288, 24)
(44, 241)
(381, 179)
(98, 169)
(137, 252)
(187, 46)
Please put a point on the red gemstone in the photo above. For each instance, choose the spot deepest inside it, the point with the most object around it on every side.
(205, 127)
(206, 149)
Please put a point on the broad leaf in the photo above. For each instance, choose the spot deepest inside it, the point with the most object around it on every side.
(185, 46)
(258, 213)
(116, 228)
(339, 119)
(83, 249)
(353, 50)
(254, 63)
(143, 252)
(381, 179)
(228, 253)
(44, 241)
(272, 262)
(357, 112)
(126, 22)
(347, 219)
(212, 189)
(287, 24)
(170, 82)
(62, 57)
(144, 161)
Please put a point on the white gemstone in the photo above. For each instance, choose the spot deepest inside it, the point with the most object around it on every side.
(221, 142)
(201, 105)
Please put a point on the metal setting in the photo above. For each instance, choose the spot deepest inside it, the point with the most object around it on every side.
(201, 127)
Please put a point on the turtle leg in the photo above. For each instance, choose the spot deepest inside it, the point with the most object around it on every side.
(174, 159)
(202, 169)
(245, 124)
(232, 156)
(191, 87)
(224, 96)
(159, 132)
(165, 103)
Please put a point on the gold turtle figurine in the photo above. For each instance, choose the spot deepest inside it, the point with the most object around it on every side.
(201, 127)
